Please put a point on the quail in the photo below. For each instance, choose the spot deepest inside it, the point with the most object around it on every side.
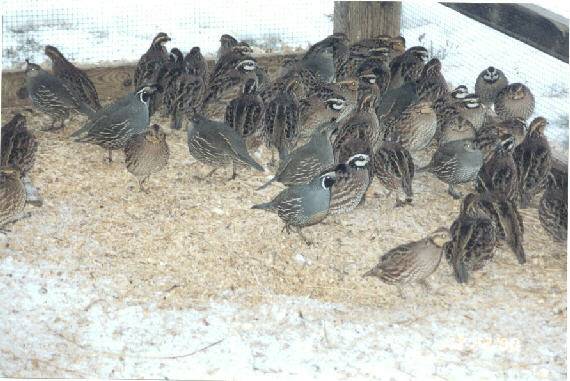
(196, 64)
(307, 161)
(146, 153)
(325, 105)
(226, 84)
(227, 42)
(473, 240)
(553, 208)
(414, 128)
(113, 125)
(514, 101)
(351, 182)
(75, 78)
(319, 58)
(186, 94)
(432, 85)
(498, 174)
(394, 167)
(392, 103)
(445, 107)
(455, 162)
(473, 110)
(18, 145)
(489, 83)
(377, 65)
(303, 204)
(281, 121)
(456, 127)
(52, 96)
(12, 195)
(412, 262)
(151, 62)
(216, 144)
(166, 78)
(245, 113)
(359, 132)
(407, 67)
(495, 131)
(533, 159)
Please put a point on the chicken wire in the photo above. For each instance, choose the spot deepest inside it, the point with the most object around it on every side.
(106, 31)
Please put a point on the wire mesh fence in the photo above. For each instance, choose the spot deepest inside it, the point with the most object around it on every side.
(107, 31)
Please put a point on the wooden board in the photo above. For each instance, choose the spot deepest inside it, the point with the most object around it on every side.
(366, 19)
(110, 82)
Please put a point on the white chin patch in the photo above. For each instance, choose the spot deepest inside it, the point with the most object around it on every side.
(337, 106)
(249, 67)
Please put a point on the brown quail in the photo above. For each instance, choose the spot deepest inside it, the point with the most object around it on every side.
(394, 167)
(498, 174)
(489, 83)
(514, 101)
(414, 128)
(12, 195)
(19, 145)
(352, 181)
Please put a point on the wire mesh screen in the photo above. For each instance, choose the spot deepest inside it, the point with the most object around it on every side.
(92, 32)
(120, 31)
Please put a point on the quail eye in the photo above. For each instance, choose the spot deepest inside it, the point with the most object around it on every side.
(327, 182)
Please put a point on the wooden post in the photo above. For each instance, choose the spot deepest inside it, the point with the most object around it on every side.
(366, 19)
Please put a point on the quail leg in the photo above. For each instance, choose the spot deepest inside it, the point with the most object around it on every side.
(308, 242)
(141, 185)
(234, 172)
(109, 158)
(454, 193)
(404, 292)
(211, 173)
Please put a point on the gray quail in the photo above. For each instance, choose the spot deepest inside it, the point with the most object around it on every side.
(473, 240)
(52, 96)
(113, 125)
(351, 182)
(514, 101)
(75, 78)
(408, 66)
(489, 83)
(18, 145)
(216, 144)
(412, 262)
(245, 113)
(533, 159)
(303, 204)
(147, 153)
(455, 162)
(307, 161)
(394, 167)
(498, 174)
(12, 195)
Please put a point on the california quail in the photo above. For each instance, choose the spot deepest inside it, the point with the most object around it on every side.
(151, 62)
(303, 204)
(498, 174)
(281, 122)
(12, 195)
(185, 95)
(432, 85)
(216, 144)
(455, 162)
(489, 83)
(245, 113)
(307, 161)
(75, 78)
(473, 240)
(113, 125)
(18, 145)
(533, 159)
(359, 132)
(412, 262)
(146, 153)
(394, 167)
(351, 182)
(52, 96)
(514, 101)
(495, 131)
(553, 209)
(227, 42)
(414, 128)
(408, 66)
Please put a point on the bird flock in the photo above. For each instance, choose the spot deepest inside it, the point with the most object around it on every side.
(337, 117)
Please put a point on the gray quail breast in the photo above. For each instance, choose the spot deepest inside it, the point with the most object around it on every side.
(514, 101)
(74, 77)
(216, 144)
(412, 262)
(351, 183)
(18, 145)
(147, 153)
(394, 167)
(533, 159)
(12, 195)
(489, 83)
